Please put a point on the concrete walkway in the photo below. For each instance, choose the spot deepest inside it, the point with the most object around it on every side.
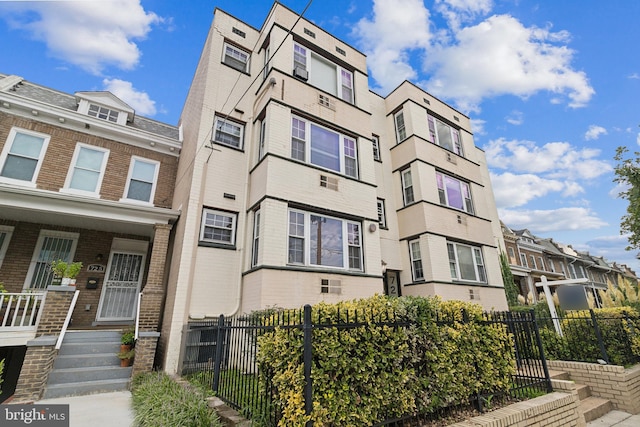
(97, 410)
(616, 418)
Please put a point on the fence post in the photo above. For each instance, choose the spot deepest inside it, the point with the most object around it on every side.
(596, 329)
(543, 359)
(307, 359)
(218, 360)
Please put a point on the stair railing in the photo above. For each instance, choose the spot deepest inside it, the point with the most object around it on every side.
(67, 320)
(138, 316)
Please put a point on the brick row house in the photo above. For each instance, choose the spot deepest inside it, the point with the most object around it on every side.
(83, 179)
(531, 257)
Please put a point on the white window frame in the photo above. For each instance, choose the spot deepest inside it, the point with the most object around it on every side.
(218, 124)
(261, 138)
(265, 64)
(6, 152)
(344, 78)
(256, 238)
(523, 260)
(6, 231)
(400, 126)
(480, 269)
(236, 55)
(444, 194)
(72, 170)
(407, 188)
(154, 184)
(203, 225)
(456, 140)
(38, 248)
(382, 214)
(415, 257)
(375, 143)
(541, 264)
(103, 113)
(572, 271)
(512, 252)
(307, 147)
(346, 232)
(533, 262)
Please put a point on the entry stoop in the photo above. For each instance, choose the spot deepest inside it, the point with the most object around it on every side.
(591, 407)
(87, 363)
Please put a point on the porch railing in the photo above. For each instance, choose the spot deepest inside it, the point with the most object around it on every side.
(20, 311)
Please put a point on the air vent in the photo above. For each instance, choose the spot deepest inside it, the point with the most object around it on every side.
(326, 101)
(329, 182)
(426, 101)
(329, 286)
(309, 33)
(238, 32)
(451, 159)
(341, 51)
(462, 220)
(474, 295)
(300, 73)
(456, 118)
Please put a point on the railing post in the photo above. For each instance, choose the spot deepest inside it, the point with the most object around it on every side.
(307, 359)
(596, 329)
(543, 359)
(217, 364)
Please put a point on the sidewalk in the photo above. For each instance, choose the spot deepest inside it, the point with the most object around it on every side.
(97, 410)
(616, 418)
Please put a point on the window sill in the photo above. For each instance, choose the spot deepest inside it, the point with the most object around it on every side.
(79, 193)
(204, 243)
(17, 182)
(240, 149)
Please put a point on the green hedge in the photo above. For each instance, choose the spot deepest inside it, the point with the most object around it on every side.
(371, 372)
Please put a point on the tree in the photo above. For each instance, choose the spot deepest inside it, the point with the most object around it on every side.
(627, 172)
(510, 288)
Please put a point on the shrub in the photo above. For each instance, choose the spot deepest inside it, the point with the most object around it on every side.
(158, 401)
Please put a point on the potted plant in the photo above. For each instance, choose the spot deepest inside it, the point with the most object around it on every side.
(127, 341)
(126, 357)
(72, 272)
(67, 272)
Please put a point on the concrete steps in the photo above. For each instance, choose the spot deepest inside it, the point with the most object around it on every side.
(87, 363)
(591, 407)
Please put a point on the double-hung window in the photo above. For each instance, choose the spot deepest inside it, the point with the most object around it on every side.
(87, 169)
(401, 130)
(5, 236)
(51, 246)
(236, 58)
(375, 142)
(22, 156)
(541, 264)
(323, 147)
(320, 240)
(466, 263)
(228, 132)
(533, 262)
(523, 260)
(382, 215)
(322, 73)
(407, 187)
(444, 135)
(256, 238)
(218, 227)
(454, 193)
(416, 260)
(142, 180)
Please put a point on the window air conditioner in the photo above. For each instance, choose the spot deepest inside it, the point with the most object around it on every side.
(300, 73)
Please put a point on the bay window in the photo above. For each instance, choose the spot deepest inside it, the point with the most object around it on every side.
(401, 130)
(322, 73)
(444, 135)
(320, 240)
(323, 147)
(454, 193)
(466, 263)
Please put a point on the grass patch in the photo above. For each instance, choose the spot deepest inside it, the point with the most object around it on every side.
(158, 401)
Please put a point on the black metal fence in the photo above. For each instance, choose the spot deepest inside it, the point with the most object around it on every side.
(222, 354)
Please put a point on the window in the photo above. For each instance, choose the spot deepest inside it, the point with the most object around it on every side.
(228, 133)
(533, 262)
(407, 187)
(263, 134)
(87, 169)
(327, 149)
(416, 260)
(265, 69)
(256, 238)
(564, 272)
(454, 193)
(5, 236)
(236, 58)
(444, 135)
(552, 266)
(466, 263)
(572, 271)
(523, 260)
(51, 245)
(22, 156)
(541, 264)
(103, 113)
(324, 241)
(375, 142)
(382, 216)
(322, 73)
(218, 227)
(401, 131)
(512, 254)
(141, 182)
(581, 273)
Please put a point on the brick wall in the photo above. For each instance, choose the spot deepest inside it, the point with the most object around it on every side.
(55, 310)
(34, 374)
(621, 386)
(145, 353)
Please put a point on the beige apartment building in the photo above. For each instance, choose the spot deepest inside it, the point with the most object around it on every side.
(298, 184)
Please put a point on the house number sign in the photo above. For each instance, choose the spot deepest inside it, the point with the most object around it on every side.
(96, 268)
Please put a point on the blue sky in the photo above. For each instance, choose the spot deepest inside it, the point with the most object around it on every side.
(552, 87)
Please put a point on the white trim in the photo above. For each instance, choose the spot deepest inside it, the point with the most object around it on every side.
(239, 50)
(203, 225)
(412, 259)
(224, 121)
(9, 144)
(72, 168)
(154, 183)
(400, 138)
(8, 232)
(338, 90)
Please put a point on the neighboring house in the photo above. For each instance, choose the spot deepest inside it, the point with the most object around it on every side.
(83, 178)
(297, 184)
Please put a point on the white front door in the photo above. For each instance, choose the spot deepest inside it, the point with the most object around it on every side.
(121, 286)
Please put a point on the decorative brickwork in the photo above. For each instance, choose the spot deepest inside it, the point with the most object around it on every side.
(621, 386)
(38, 362)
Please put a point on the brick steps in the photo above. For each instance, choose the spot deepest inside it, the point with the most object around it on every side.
(591, 407)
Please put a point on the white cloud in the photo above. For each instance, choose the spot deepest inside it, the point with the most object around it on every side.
(511, 190)
(638, 139)
(457, 12)
(397, 28)
(544, 221)
(501, 56)
(137, 100)
(612, 248)
(634, 76)
(477, 126)
(554, 159)
(89, 34)
(594, 132)
(515, 118)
